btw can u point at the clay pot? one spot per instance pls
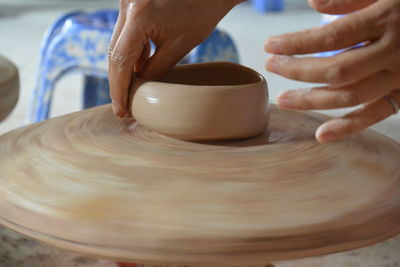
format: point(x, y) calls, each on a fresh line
point(206, 101)
point(9, 87)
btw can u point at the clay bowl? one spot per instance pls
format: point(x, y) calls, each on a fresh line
point(207, 101)
point(9, 87)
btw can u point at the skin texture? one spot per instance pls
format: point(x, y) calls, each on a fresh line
point(360, 76)
point(174, 26)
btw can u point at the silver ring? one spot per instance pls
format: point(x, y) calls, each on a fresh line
point(392, 102)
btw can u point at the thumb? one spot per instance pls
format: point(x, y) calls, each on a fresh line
point(339, 6)
point(163, 59)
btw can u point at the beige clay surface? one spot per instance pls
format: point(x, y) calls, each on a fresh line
point(109, 188)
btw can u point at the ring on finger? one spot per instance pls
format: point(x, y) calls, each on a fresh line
point(393, 103)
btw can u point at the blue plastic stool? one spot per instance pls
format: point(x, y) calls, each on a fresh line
point(268, 5)
point(79, 42)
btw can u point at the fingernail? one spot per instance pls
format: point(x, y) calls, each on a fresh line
point(272, 46)
point(285, 99)
point(283, 59)
point(116, 109)
point(287, 94)
point(273, 64)
point(324, 137)
point(286, 102)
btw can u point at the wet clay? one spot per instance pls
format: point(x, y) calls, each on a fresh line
point(94, 184)
point(208, 101)
point(9, 87)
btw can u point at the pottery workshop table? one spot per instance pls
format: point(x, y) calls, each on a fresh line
point(9, 87)
point(109, 188)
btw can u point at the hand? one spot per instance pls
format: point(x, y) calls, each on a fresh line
point(174, 26)
point(361, 75)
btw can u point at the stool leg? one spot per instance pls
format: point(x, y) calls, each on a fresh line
point(95, 92)
point(268, 5)
point(41, 101)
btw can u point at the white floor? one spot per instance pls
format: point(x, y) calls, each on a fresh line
point(23, 22)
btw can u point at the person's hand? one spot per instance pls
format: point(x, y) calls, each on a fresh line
point(174, 26)
point(367, 75)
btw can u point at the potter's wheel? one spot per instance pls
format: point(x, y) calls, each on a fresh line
point(93, 184)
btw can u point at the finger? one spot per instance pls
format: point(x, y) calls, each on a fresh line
point(124, 56)
point(339, 6)
point(343, 68)
point(341, 33)
point(357, 120)
point(143, 57)
point(112, 53)
point(119, 24)
point(329, 97)
point(164, 58)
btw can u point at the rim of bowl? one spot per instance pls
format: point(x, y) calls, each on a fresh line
point(260, 78)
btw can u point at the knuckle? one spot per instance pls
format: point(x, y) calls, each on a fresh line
point(390, 41)
point(114, 55)
point(293, 74)
point(294, 43)
point(119, 60)
point(349, 98)
point(307, 99)
point(109, 51)
point(291, 68)
point(336, 74)
point(394, 17)
point(334, 38)
point(140, 7)
point(380, 115)
point(124, 64)
point(396, 93)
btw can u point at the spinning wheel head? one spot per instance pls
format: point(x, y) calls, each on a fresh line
point(207, 101)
